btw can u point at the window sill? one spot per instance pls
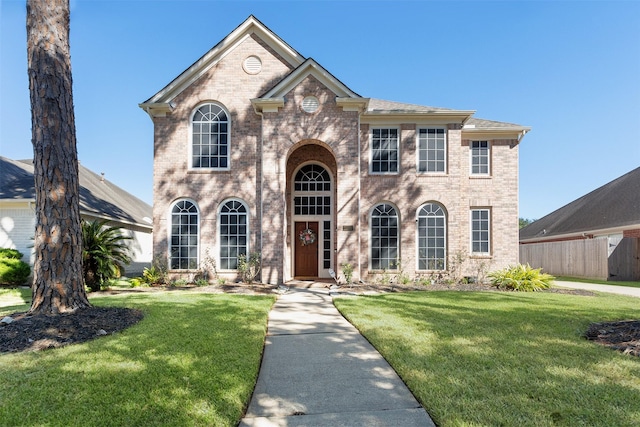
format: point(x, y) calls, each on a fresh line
point(480, 256)
point(480, 177)
point(384, 173)
point(208, 171)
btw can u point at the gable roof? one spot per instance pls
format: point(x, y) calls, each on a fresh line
point(98, 196)
point(160, 102)
point(613, 207)
point(372, 110)
point(274, 97)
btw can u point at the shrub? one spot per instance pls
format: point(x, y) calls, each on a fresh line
point(10, 253)
point(521, 278)
point(13, 271)
point(249, 267)
point(104, 252)
point(347, 270)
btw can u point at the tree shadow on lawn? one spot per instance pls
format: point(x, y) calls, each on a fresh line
point(192, 361)
point(485, 357)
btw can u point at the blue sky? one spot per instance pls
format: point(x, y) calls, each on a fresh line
point(568, 69)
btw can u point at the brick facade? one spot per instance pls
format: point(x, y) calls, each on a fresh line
point(268, 146)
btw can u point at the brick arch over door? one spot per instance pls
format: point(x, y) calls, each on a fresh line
point(309, 151)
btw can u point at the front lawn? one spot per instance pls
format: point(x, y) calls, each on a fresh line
point(192, 361)
point(505, 358)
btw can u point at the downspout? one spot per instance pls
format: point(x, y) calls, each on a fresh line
point(259, 113)
point(359, 203)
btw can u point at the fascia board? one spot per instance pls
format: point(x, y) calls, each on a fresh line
point(222, 49)
point(317, 71)
point(156, 109)
point(495, 133)
point(270, 105)
point(430, 117)
point(353, 104)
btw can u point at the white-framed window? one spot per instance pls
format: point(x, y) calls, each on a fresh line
point(233, 232)
point(385, 151)
point(184, 236)
point(480, 156)
point(480, 231)
point(432, 150)
point(384, 237)
point(210, 126)
point(432, 237)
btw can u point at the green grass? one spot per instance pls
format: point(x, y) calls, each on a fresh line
point(601, 282)
point(192, 361)
point(494, 358)
point(14, 299)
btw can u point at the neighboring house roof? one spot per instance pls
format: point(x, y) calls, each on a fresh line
point(98, 196)
point(611, 208)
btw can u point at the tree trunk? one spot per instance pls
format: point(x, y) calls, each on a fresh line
point(57, 273)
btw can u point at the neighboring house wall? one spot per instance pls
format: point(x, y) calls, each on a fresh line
point(17, 225)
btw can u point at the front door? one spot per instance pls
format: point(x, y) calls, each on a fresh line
point(306, 253)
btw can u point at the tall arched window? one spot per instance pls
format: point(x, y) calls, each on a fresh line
point(185, 220)
point(432, 237)
point(234, 233)
point(384, 237)
point(316, 182)
point(210, 138)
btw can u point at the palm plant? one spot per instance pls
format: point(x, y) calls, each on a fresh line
point(104, 252)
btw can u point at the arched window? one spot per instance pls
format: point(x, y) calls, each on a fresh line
point(210, 138)
point(185, 220)
point(234, 233)
point(432, 237)
point(384, 237)
point(312, 179)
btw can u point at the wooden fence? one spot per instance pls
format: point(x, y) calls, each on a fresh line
point(575, 258)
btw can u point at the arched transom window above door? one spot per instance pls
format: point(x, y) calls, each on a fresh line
point(312, 189)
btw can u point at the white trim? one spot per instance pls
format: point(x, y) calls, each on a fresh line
point(217, 245)
point(446, 151)
point(190, 137)
point(320, 219)
point(489, 233)
point(488, 158)
point(399, 159)
point(446, 235)
point(399, 236)
point(169, 233)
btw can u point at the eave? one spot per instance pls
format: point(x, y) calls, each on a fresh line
point(419, 117)
point(267, 105)
point(156, 109)
point(495, 132)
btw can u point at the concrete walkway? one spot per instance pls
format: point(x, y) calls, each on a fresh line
point(613, 289)
point(317, 370)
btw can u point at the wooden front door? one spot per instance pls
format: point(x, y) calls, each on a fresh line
point(306, 262)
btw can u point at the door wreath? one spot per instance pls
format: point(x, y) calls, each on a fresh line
point(307, 237)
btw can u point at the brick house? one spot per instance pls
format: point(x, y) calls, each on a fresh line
point(259, 149)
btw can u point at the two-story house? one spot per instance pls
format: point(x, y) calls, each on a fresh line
point(259, 149)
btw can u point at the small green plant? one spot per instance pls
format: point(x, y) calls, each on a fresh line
point(423, 281)
point(179, 283)
point(13, 271)
point(347, 272)
point(221, 281)
point(202, 282)
point(137, 282)
point(521, 278)
point(249, 267)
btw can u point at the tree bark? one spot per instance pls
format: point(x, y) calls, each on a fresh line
point(58, 285)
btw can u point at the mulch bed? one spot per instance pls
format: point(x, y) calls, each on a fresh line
point(39, 332)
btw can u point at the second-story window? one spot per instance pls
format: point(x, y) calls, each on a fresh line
point(432, 150)
point(210, 138)
point(384, 150)
point(480, 158)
